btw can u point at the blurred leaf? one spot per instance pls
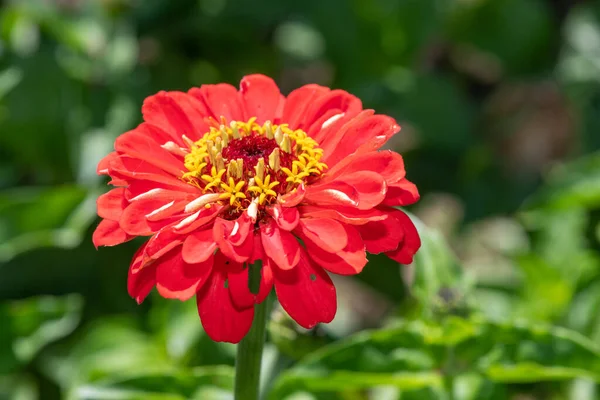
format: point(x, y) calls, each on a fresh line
point(100, 393)
point(178, 328)
point(583, 314)
point(67, 214)
point(546, 290)
point(517, 32)
point(17, 388)
point(109, 347)
point(9, 79)
point(576, 184)
point(292, 340)
point(434, 95)
point(580, 58)
point(164, 385)
point(29, 325)
point(440, 283)
point(346, 381)
point(417, 354)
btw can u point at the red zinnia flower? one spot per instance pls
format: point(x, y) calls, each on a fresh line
point(219, 178)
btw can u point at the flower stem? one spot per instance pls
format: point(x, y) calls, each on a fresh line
point(249, 350)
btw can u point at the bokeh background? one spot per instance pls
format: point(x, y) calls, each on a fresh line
point(499, 101)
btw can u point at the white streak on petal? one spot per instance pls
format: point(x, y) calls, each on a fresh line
point(332, 120)
point(339, 195)
point(173, 148)
point(153, 213)
point(253, 210)
point(236, 228)
point(185, 222)
point(149, 193)
point(201, 202)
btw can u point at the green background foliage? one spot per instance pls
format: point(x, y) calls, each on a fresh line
point(499, 101)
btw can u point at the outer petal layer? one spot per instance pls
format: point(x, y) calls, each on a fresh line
point(222, 320)
point(306, 293)
point(410, 244)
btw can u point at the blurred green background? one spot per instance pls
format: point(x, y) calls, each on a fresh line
point(499, 101)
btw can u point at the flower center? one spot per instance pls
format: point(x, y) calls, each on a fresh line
point(245, 163)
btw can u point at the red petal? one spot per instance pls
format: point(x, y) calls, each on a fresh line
point(330, 135)
point(388, 164)
point(362, 189)
point(162, 242)
point(233, 238)
point(199, 246)
point(139, 145)
point(332, 194)
point(161, 203)
point(330, 104)
point(258, 253)
point(151, 189)
point(279, 245)
point(261, 97)
point(102, 168)
point(326, 233)
point(111, 204)
point(403, 193)
point(141, 278)
point(349, 261)
point(222, 320)
point(360, 134)
point(239, 290)
point(176, 279)
point(412, 242)
point(197, 220)
point(266, 283)
point(293, 198)
point(109, 233)
point(221, 100)
point(298, 102)
point(287, 218)
point(169, 112)
point(346, 215)
point(370, 186)
point(306, 293)
point(134, 222)
point(131, 169)
point(381, 236)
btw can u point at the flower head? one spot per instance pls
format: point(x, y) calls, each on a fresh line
point(220, 178)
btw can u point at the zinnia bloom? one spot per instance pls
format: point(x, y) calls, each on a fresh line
point(219, 178)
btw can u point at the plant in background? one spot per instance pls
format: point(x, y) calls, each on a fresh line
point(243, 191)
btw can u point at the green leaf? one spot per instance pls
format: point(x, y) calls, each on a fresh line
point(576, 184)
point(14, 387)
point(547, 292)
point(321, 381)
point(109, 347)
point(439, 281)
point(101, 393)
point(177, 326)
point(418, 354)
point(38, 217)
point(159, 385)
point(29, 325)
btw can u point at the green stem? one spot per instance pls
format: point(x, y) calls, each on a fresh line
point(249, 350)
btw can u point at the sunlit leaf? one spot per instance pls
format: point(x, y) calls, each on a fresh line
point(420, 354)
point(576, 184)
point(161, 385)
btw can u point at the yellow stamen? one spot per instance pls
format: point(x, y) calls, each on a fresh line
point(251, 183)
